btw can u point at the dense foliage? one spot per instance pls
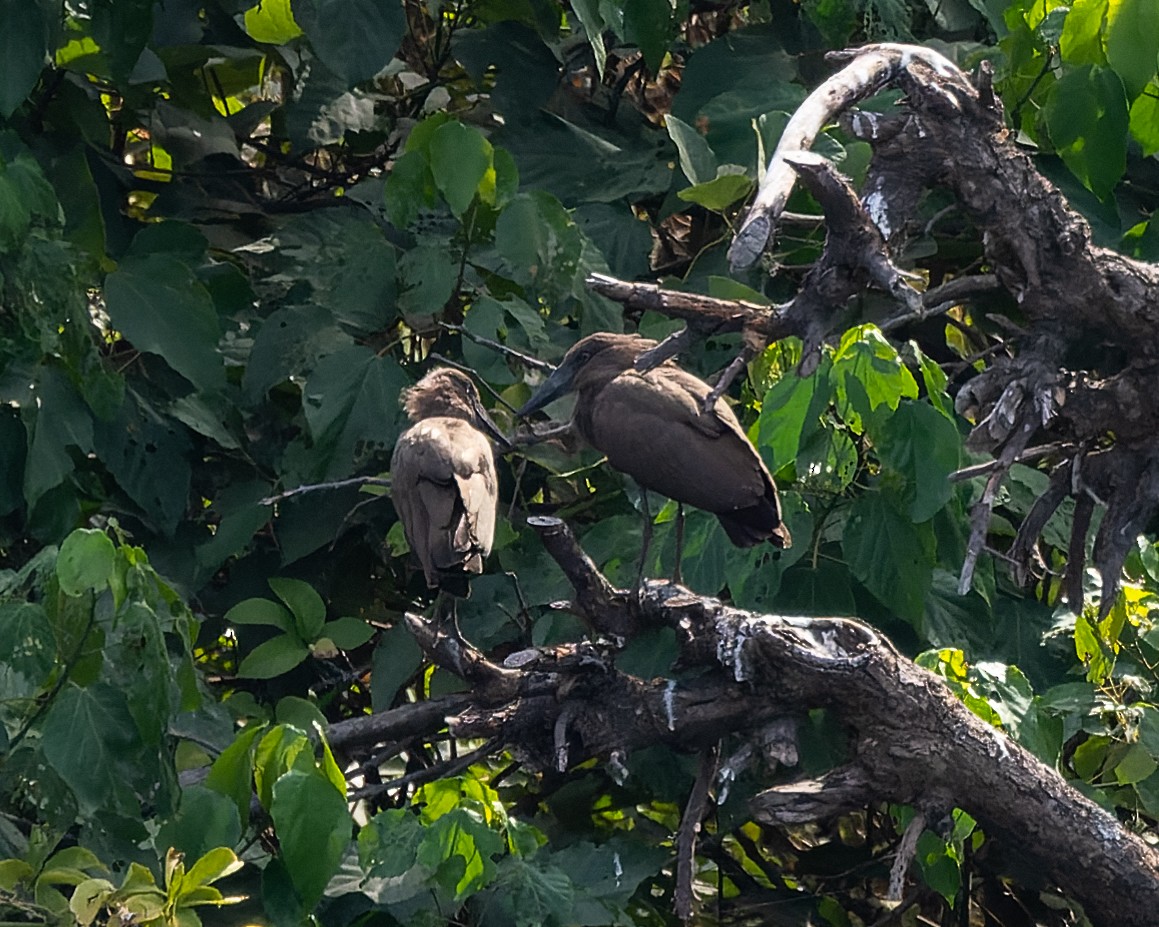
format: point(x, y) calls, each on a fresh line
point(231, 233)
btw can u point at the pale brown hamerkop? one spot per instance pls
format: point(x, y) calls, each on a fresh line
point(443, 480)
point(653, 427)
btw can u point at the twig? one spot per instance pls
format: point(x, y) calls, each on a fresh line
point(430, 774)
point(694, 811)
point(317, 487)
point(989, 466)
point(595, 595)
point(442, 359)
point(730, 373)
point(527, 359)
point(905, 855)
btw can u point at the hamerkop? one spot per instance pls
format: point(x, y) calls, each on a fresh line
point(653, 427)
point(442, 477)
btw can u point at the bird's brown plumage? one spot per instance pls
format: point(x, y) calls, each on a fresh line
point(443, 480)
point(653, 427)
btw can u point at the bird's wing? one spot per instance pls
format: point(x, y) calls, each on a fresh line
point(653, 427)
point(478, 485)
point(444, 489)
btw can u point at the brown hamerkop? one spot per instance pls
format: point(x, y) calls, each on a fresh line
point(442, 477)
point(653, 426)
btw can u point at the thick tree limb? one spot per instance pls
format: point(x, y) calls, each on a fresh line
point(913, 741)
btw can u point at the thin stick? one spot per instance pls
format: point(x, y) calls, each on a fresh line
point(694, 812)
point(430, 774)
point(318, 487)
point(527, 359)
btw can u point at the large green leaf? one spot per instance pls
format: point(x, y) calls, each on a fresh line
point(924, 446)
point(529, 894)
point(460, 159)
point(271, 658)
point(867, 373)
point(1081, 41)
point(1133, 42)
point(87, 735)
point(27, 648)
point(356, 38)
point(1087, 118)
point(891, 555)
point(314, 829)
point(272, 21)
point(462, 850)
point(790, 413)
point(85, 562)
point(351, 406)
point(1144, 119)
point(61, 421)
point(161, 307)
point(148, 455)
point(651, 25)
point(307, 606)
point(23, 50)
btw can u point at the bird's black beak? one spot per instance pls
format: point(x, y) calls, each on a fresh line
point(488, 426)
point(558, 384)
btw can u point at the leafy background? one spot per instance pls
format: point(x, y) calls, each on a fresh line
point(230, 234)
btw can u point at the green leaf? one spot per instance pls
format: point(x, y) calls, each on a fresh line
point(1133, 42)
point(351, 406)
point(272, 22)
point(205, 819)
point(396, 658)
point(214, 865)
point(410, 187)
point(1135, 766)
point(23, 51)
point(460, 849)
point(868, 373)
point(300, 713)
point(314, 829)
point(232, 773)
point(529, 894)
point(85, 735)
point(388, 844)
point(651, 25)
point(158, 304)
point(88, 898)
point(355, 38)
point(891, 555)
point(460, 159)
point(1090, 651)
point(1144, 120)
point(27, 649)
point(1081, 41)
point(539, 242)
point(696, 158)
point(428, 275)
point(85, 561)
point(273, 657)
point(62, 420)
point(307, 606)
point(924, 446)
point(347, 633)
point(148, 455)
point(720, 193)
point(1087, 118)
point(281, 749)
point(260, 611)
point(790, 413)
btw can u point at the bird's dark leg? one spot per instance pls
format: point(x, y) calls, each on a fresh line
point(638, 587)
point(677, 579)
point(446, 613)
